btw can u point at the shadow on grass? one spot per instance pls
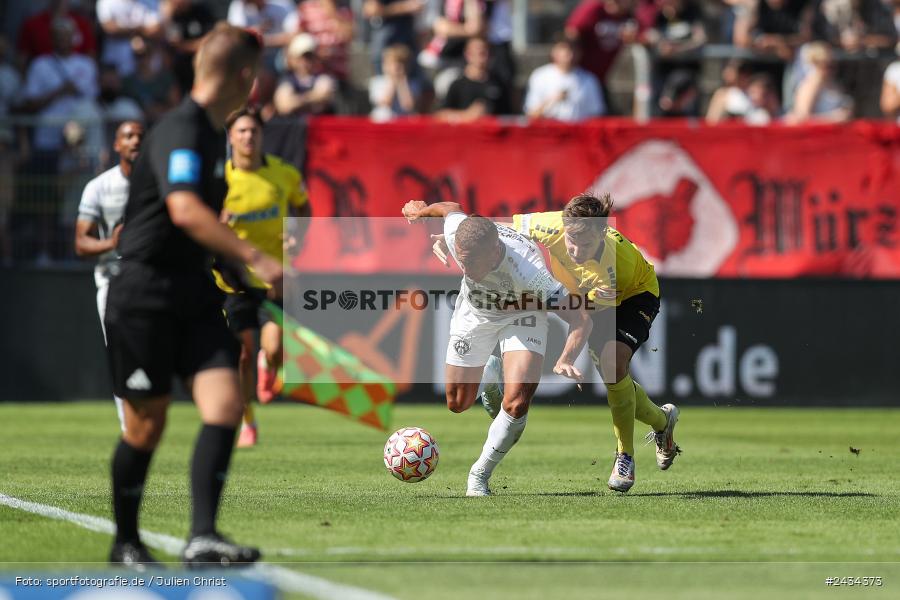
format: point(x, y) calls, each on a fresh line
point(711, 494)
point(741, 494)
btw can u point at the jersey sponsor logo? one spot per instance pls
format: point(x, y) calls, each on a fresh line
point(138, 381)
point(257, 215)
point(699, 230)
point(184, 166)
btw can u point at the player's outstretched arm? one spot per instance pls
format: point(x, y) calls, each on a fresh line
point(417, 209)
point(202, 224)
point(580, 326)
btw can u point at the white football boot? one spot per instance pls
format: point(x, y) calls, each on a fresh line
point(477, 485)
point(666, 448)
point(492, 386)
point(622, 477)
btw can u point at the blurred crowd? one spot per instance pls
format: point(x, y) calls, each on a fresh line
point(75, 68)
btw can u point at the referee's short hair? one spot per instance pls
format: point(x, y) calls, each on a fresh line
point(226, 50)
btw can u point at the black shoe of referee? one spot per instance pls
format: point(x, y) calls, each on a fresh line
point(214, 550)
point(132, 555)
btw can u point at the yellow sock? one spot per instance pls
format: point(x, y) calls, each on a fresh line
point(249, 417)
point(620, 396)
point(647, 412)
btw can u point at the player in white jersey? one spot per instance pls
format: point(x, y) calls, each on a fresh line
point(505, 293)
point(100, 217)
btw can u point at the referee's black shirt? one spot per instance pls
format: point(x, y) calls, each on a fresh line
point(161, 266)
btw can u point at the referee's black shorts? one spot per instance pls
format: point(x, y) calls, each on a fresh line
point(159, 326)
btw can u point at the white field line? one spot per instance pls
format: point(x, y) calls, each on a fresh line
point(394, 551)
point(285, 579)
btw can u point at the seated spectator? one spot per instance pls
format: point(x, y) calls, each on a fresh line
point(561, 90)
point(273, 19)
point(676, 33)
point(476, 93)
point(35, 37)
point(600, 28)
point(890, 92)
point(58, 86)
point(677, 28)
point(819, 97)
point(776, 27)
point(755, 103)
point(185, 22)
point(460, 20)
point(854, 25)
point(331, 24)
point(393, 22)
point(121, 21)
point(152, 84)
point(394, 94)
point(306, 89)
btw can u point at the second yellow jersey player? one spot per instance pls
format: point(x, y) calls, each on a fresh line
point(263, 190)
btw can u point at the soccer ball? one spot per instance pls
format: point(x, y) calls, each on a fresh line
point(411, 454)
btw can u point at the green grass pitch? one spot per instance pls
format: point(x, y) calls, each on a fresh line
point(762, 503)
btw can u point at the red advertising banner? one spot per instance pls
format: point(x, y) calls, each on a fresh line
point(727, 201)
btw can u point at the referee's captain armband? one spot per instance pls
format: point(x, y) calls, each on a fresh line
point(184, 166)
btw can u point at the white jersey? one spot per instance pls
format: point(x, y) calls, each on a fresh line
point(522, 271)
point(103, 202)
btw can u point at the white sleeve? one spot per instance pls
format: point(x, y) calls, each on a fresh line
point(533, 96)
point(104, 11)
point(892, 75)
point(451, 224)
point(537, 278)
point(236, 15)
point(89, 208)
point(35, 80)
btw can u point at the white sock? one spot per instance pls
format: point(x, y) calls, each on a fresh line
point(503, 433)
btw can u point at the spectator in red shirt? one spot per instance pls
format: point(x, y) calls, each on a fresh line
point(34, 34)
point(601, 28)
point(331, 24)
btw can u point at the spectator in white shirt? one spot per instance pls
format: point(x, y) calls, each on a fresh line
point(274, 19)
point(121, 20)
point(890, 91)
point(561, 90)
point(60, 86)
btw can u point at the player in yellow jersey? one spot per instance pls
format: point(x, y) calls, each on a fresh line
point(594, 260)
point(262, 191)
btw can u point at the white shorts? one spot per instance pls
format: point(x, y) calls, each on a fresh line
point(473, 336)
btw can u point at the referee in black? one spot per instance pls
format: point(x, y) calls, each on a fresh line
point(164, 313)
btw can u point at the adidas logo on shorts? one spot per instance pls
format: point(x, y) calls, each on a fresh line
point(138, 381)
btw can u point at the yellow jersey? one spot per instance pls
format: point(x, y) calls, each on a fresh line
point(621, 267)
point(256, 204)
